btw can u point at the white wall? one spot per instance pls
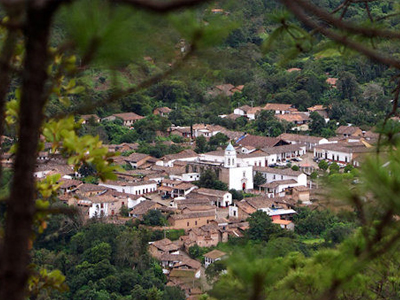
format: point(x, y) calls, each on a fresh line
point(148, 187)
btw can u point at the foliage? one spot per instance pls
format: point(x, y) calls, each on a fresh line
point(323, 165)
point(261, 227)
point(208, 179)
point(154, 217)
point(258, 179)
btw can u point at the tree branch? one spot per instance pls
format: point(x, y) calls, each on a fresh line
point(161, 6)
point(340, 24)
point(374, 55)
point(89, 107)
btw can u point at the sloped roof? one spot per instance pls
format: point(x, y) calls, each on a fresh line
point(128, 116)
point(277, 106)
point(258, 141)
point(348, 130)
point(214, 254)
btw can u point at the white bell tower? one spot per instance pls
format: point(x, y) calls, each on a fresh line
point(230, 157)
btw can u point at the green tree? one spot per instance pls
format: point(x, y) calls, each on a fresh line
point(201, 144)
point(154, 217)
point(323, 165)
point(334, 168)
point(261, 227)
point(258, 179)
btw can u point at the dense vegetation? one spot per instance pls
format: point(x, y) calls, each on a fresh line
point(102, 261)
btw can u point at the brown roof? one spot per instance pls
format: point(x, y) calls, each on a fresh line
point(67, 183)
point(293, 69)
point(332, 81)
point(233, 116)
point(290, 137)
point(283, 148)
point(184, 186)
point(296, 117)
point(89, 187)
point(245, 108)
point(211, 192)
point(316, 108)
point(135, 157)
point(282, 222)
point(286, 171)
point(191, 263)
point(183, 154)
point(277, 106)
point(348, 130)
point(278, 182)
point(88, 117)
point(164, 110)
point(165, 245)
point(214, 254)
point(143, 207)
point(243, 205)
point(102, 199)
point(258, 141)
point(346, 148)
point(128, 116)
point(193, 215)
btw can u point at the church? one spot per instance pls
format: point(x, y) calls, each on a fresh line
point(230, 169)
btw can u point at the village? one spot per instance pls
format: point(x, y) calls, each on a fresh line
point(275, 175)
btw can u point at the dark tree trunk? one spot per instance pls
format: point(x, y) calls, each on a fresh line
point(15, 257)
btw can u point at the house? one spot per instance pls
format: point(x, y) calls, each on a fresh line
point(286, 152)
point(191, 220)
point(343, 153)
point(275, 174)
point(304, 140)
point(185, 132)
point(284, 224)
point(143, 207)
point(251, 113)
point(279, 213)
point(128, 118)
point(260, 141)
point(300, 120)
point(182, 189)
point(134, 188)
point(348, 131)
point(89, 189)
point(321, 110)
point(242, 110)
point(161, 247)
point(206, 236)
point(241, 210)
point(293, 70)
point(69, 185)
point(225, 89)
point(219, 198)
point(185, 155)
point(278, 108)
point(189, 264)
point(104, 206)
point(92, 117)
point(332, 81)
point(213, 256)
point(136, 160)
point(162, 111)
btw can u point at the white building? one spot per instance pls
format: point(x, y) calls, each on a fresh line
point(340, 153)
point(134, 188)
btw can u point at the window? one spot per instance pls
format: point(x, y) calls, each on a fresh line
point(195, 222)
point(102, 205)
point(187, 224)
point(123, 203)
point(229, 161)
point(244, 173)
